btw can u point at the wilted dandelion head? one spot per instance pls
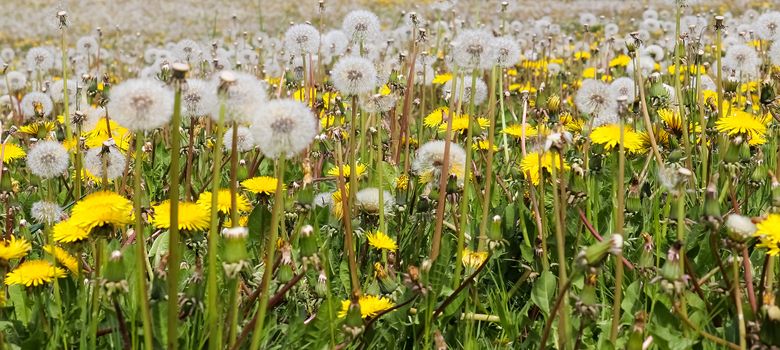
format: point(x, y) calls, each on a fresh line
point(464, 90)
point(46, 212)
point(623, 86)
point(301, 39)
point(284, 127)
point(354, 75)
point(506, 51)
point(367, 201)
point(47, 159)
point(198, 98)
point(743, 60)
point(141, 104)
point(594, 97)
point(361, 25)
point(472, 49)
point(114, 161)
point(767, 26)
point(36, 104)
point(243, 97)
point(39, 59)
point(246, 141)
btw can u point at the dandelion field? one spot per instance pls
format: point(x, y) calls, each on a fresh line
point(439, 174)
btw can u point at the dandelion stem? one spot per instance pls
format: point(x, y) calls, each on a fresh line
point(270, 250)
point(464, 203)
point(486, 202)
point(620, 210)
point(233, 177)
point(140, 244)
point(738, 304)
point(173, 233)
point(212, 301)
point(443, 178)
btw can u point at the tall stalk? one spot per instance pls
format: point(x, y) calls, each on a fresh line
point(212, 300)
point(180, 70)
point(619, 223)
point(140, 244)
point(270, 251)
point(464, 203)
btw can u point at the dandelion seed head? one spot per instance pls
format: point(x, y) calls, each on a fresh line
point(464, 89)
point(472, 49)
point(87, 45)
point(198, 98)
point(246, 141)
point(47, 159)
point(36, 104)
point(741, 225)
point(46, 212)
point(188, 51)
point(284, 127)
point(57, 92)
point(367, 201)
point(16, 80)
point(507, 52)
point(243, 97)
point(354, 75)
point(301, 39)
point(39, 59)
point(334, 44)
point(378, 103)
point(141, 104)
point(767, 26)
point(430, 159)
point(623, 86)
point(742, 59)
point(114, 159)
point(361, 25)
point(594, 97)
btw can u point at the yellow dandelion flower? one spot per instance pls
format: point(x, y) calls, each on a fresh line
point(243, 221)
point(102, 208)
point(64, 258)
point(14, 248)
point(472, 259)
point(337, 206)
point(589, 73)
point(38, 128)
point(461, 123)
point(533, 162)
point(12, 152)
point(380, 240)
point(66, 232)
point(385, 90)
point(223, 201)
point(329, 120)
point(347, 170)
point(34, 273)
point(582, 55)
point(370, 306)
point(261, 185)
point(523, 87)
point(435, 118)
point(402, 182)
point(609, 137)
point(620, 61)
point(516, 130)
point(570, 123)
point(442, 78)
point(192, 216)
point(483, 145)
point(768, 230)
point(743, 124)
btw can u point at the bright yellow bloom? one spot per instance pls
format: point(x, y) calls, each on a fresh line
point(620, 61)
point(34, 273)
point(102, 208)
point(516, 130)
point(533, 163)
point(523, 87)
point(64, 258)
point(223, 201)
point(581, 55)
point(370, 306)
point(385, 90)
point(573, 125)
point(337, 206)
point(192, 216)
point(741, 123)
point(66, 232)
point(14, 248)
point(483, 145)
point(442, 78)
point(380, 240)
point(402, 182)
point(261, 185)
point(473, 259)
point(436, 117)
point(691, 69)
point(609, 137)
point(12, 152)
point(35, 128)
point(461, 123)
point(243, 221)
point(347, 170)
point(769, 232)
point(589, 73)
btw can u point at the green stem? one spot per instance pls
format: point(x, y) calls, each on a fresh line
point(619, 230)
point(464, 203)
point(140, 240)
point(270, 246)
point(173, 232)
point(212, 300)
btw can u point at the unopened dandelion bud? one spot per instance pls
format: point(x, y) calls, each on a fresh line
point(554, 103)
point(712, 211)
point(308, 242)
point(495, 234)
point(633, 200)
point(647, 256)
point(386, 283)
point(636, 338)
point(732, 154)
point(739, 228)
point(354, 322)
point(587, 300)
point(321, 285)
point(285, 273)
point(595, 254)
point(452, 184)
point(672, 270)
point(115, 268)
point(234, 239)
